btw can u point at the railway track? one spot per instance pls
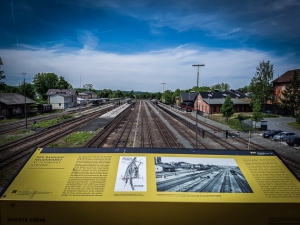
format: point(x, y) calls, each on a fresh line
point(10, 127)
point(144, 125)
point(122, 132)
point(18, 150)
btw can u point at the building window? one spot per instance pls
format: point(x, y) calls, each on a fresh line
point(59, 104)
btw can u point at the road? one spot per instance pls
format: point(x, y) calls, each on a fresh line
point(280, 123)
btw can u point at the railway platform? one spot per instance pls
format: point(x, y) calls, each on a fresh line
point(105, 119)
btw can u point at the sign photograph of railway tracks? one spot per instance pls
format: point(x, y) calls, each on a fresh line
point(183, 174)
point(131, 175)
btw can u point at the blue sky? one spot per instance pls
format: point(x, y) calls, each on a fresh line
point(137, 45)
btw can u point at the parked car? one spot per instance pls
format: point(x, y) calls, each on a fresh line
point(283, 136)
point(293, 141)
point(270, 134)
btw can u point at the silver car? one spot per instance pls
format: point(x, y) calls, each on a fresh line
point(283, 136)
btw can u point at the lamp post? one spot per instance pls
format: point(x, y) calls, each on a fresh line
point(209, 96)
point(25, 111)
point(198, 65)
point(163, 91)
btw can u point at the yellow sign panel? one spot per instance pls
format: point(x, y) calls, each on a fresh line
point(75, 186)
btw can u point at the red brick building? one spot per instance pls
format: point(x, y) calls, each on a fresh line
point(281, 82)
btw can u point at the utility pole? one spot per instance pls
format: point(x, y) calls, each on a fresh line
point(25, 111)
point(163, 87)
point(198, 65)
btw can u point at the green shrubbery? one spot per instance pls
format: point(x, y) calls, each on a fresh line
point(76, 139)
point(48, 123)
point(237, 124)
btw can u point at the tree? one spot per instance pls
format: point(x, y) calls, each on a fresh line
point(167, 97)
point(290, 96)
point(45, 81)
point(158, 95)
point(88, 87)
point(221, 87)
point(29, 90)
point(63, 84)
point(2, 77)
point(175, 94)
point(227, 109)
point(257, 115)
point(116, 94)
point(105, 93)
point(131, 94)
point(260, 87)
point(244, 89)
point(202, 88)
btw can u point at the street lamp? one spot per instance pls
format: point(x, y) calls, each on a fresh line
point(198, 65)
point(25, 102)
point(209, 96)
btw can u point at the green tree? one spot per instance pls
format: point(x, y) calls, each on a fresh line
point(297, 115)
point(175, 94)
point(290, 96)
point(29, 90)
point(167, 97)
point(244, 89)
point(260, 87)
point(257, 115)
point(45, 81)
point(158, 95)
point(221, 87)
point(63, 84)
point(11, 89)
point(116, 94)
point(194, 88)
point(105, 93)
point(88, 87)
point(131, 94)
point(227, 108)
point(2, 77)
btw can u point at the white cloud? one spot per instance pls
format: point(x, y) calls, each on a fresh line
point(143, 71)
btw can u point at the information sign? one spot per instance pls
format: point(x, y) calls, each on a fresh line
point(152, 186)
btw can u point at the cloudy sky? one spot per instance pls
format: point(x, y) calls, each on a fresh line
point(137, 45)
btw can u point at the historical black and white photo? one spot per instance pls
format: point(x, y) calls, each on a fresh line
point(185, 174)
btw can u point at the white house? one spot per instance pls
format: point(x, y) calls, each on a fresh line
point(62, 98)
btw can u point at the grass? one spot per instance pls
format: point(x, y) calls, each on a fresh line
point(9, 120)
point(235, 121)
point(73, 140)
point(294, 125)
point(48, 123)
point(7, 138)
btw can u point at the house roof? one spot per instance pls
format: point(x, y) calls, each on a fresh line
point(222, 94)
point(218, 97)
point(85, 94)
point(62, 92)
point(286, 77)
point(188, 97)
point(90, 92)
point(14, 99)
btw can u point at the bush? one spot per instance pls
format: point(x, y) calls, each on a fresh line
point(236, 124)
point(270, 115)
point(297, 115)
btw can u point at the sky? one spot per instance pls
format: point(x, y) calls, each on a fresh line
point(138, 45)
